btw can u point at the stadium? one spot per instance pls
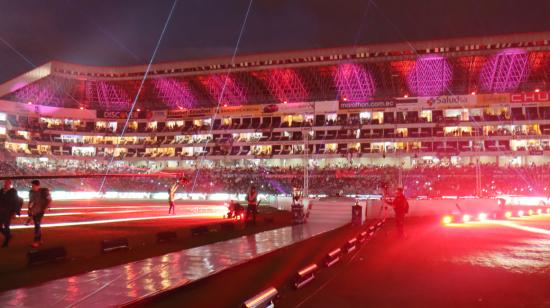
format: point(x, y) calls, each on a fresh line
point(395, 110)
point(460, 126)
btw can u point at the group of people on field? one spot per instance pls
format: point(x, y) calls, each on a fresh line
point(40, 199)
point(234, 207)
point(11, 205)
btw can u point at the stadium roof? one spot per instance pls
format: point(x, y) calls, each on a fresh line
point(503, 63)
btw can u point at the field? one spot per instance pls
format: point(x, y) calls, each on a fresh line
point(490, 264)
point(80, 226)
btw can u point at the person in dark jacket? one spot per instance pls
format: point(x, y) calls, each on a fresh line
point(9, 206)
point(39, 201)
point(401, 208)
point(252, 201)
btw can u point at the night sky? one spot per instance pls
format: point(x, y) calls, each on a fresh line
point(124, 32)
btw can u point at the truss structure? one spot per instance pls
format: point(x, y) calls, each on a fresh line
point(108, 96)
point(483, 71)
point(430, 76)
point(174, 93)
point(354, 82)
point(48, 92)
point(284, 84)
point(505, 71)
point(224, 89)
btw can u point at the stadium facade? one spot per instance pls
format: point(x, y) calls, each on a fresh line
point(456, 101)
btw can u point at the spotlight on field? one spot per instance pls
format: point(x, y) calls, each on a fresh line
point(447, 219)
point(263, 299)
point(466, 218)
point(482, 216)
point(305, 276)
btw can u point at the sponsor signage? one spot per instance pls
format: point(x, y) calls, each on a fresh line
point(200, 112)
point(406, 101)
point(449, 101)
point(241, 110)
point(270, 108)
point(176, 114)
point(490, 99)
point(406, 104)
point(366, 105)
point(326, 107)
point(295, 108)
point(158, 115)
point(121, 115)
point(530, 97)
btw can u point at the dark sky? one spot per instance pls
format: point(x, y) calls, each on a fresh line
point(123, 32)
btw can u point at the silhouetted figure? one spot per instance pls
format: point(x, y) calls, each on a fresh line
point(252, 200)
point(171, 193)
point(401, 208)
point(39, 201)
point(10, 204)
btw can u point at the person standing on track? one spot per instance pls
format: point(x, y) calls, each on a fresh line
point(10, 204)
point(39, 201)
point(171, 193)
point(252, 200)
point(401, 208)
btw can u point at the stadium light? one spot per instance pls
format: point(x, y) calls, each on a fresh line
point(482, 216)
point(530, 212)
point(305, 276)
point(537, 90)
point(447, 219)
point(333, 257)
point(473, 93)
point(362, 237)
point(466, 218)
point(263, 299)
point(520, 213)
point(508, 214)
point(351, 245)
point(539, 211)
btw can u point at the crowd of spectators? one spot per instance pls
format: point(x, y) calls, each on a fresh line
point(432, 181)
